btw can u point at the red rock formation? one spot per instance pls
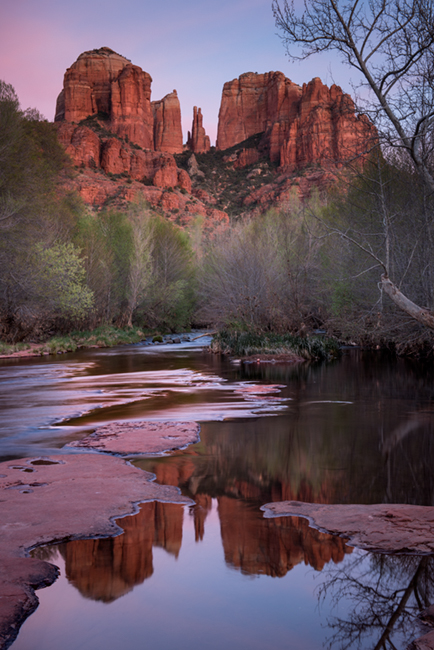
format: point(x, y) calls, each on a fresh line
point(101, 81)
point(198, 141)
point(301, 126)
point(81, 144)
point(96, 189)
point(105, 83)
point(131, 114)
point(184, 180)
point(114, 156)
point(127, 136)
point(243, 157)
point(387, 528)
point(140, 436)
point(252, 103)
point(326, 129)
point(167, 124)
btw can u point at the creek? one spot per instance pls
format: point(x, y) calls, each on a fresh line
point(217, 574)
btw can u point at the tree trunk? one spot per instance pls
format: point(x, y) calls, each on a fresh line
point(418, 313)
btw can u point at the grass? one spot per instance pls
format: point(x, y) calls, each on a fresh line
point(246, 344)
point(105, 336)
point(5, 348)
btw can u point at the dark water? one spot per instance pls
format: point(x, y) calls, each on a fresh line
point(217, 575)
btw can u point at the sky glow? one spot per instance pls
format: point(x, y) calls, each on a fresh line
point(189, 45)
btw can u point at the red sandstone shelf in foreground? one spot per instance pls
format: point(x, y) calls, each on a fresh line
point(386, 528)
point(58, 498)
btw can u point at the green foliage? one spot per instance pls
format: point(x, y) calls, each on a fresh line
point(6, 348)
point(342, 299)
point(170, 301)
point(250, 343)
point(106, 242)
point(32, 216)
point(105, 336)
point(60, 281)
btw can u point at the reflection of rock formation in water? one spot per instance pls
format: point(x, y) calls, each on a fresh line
point(251, 543)
point(257, 546)
point(105, 569)
point(204, 505)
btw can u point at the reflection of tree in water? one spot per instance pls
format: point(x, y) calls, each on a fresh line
point(386, 595)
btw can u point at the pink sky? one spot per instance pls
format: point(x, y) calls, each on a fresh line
point(189, 45)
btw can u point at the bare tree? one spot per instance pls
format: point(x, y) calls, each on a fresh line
point(263, 274)
point(390, 46)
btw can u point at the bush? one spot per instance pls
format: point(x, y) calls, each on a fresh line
point(250, 343)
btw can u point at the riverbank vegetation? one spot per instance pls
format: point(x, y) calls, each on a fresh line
point(105, 336)
point(307, 265)
point(272, 345)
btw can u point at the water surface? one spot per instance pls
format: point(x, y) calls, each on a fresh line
point(359, 430)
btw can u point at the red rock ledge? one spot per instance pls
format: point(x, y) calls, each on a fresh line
point(384, 528)
point(140, 437)
point(59, 498)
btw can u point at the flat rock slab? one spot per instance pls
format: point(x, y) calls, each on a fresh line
point(385, 528)
point(425, 642)
point(59, 498)
point(145, 437)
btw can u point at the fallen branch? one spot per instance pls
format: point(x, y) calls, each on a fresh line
point(418, 313)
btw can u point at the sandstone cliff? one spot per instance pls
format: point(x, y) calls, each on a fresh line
point(106, 120)
point(103, 82)
point(198, 141)
point(107, 123)
point(301, 126)
point(252, 103)
point(269, 129)
point(167, 124)
point(108, 85)
point(93, 147)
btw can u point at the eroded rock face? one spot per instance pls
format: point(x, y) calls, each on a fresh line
point(251, 103)
point(96, 189)
point(198, 141)
point(102, 81)
point(127, 134)
point(106, 84)
point(167, 124)
point(115, 156)
point(301, 126)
